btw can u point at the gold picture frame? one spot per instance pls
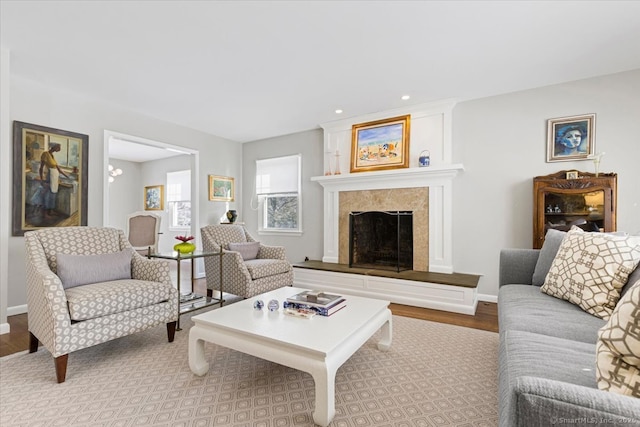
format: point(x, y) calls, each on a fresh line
point(221, 188)
point(48, 197)
point(572, 175)
point(154, 198)
point(381, 144)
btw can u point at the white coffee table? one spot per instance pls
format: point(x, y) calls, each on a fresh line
point(319, 345)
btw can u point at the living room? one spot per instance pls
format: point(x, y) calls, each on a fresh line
point(499, 138)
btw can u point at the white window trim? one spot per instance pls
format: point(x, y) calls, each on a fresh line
point(261, 210)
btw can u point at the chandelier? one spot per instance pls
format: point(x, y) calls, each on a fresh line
point(113, 173)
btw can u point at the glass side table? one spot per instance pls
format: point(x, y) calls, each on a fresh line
point(191, 301)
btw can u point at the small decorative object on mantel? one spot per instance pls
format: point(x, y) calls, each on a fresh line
point(337, 171)
point(232, 215)
point(185, 247)
point(424, 159)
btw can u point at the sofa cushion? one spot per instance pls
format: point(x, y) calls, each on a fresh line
point(259, 268)
point(525, 308)
point(102, 299)
point(590, 269)
point(552, 241)
point(525, 356)
point(618, 348)
point(248, 250)
point(78, 270)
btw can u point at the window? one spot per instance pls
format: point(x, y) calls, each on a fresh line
point(179, 199)
point(278, 188)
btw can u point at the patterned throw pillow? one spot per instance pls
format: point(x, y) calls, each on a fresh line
point(590, 269)
point(248, 250)
point(618, 348)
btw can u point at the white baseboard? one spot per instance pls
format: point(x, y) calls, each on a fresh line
point(487, 298)
point(17, 309)
point(4, 328)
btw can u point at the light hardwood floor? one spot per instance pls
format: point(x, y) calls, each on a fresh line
point(486, 318)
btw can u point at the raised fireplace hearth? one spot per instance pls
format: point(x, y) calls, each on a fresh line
point(381, 240)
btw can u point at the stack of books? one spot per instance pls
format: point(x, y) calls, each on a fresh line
point(321, 303)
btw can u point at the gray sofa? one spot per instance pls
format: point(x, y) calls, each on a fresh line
point(547, 357)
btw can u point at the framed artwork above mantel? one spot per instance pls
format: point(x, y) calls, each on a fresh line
point(381, 144)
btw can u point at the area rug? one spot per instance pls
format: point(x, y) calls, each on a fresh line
point(433, 375)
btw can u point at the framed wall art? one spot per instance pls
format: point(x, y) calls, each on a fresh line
point(571, 138)
point(50, 169)
point(221, 188)
point(154, 198)
point(382, 144)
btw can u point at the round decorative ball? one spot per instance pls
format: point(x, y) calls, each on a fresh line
point(273, 305)
point(258, 304)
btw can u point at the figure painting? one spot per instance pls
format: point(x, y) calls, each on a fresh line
point(49, 178)
point(570, 138)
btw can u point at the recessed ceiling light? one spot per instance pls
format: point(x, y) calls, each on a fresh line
point(405, 97)
point(338, 111)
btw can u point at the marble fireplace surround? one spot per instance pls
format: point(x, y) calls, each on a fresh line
point(427, 190)
point(415, 200)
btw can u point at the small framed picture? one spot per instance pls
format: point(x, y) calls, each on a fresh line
point(571, 138)
point(572, 174)
point(221, 188)
point(154, 198)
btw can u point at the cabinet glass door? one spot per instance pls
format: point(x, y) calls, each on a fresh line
point(585, 210)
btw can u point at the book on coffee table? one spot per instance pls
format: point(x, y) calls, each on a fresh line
point(315, 299)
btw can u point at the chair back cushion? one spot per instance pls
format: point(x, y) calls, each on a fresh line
point(77, 270)
point(248, 250)
point(79, 241)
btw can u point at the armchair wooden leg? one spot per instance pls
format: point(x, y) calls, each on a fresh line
point(61, 367)
point(171, 330)
point(33, 343)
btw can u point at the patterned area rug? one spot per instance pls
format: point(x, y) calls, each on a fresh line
point(433, 375)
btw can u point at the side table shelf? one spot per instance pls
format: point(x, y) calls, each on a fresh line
point(192, 301)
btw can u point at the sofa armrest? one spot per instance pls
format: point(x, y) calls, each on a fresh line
point(517, 266)
point(272, 252)
point(153, 270)
point(540, 401)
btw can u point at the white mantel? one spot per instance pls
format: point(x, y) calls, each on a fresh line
point(438, 179)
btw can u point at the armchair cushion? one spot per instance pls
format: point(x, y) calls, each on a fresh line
point(248, 250)
point(259, 268)
point(111, 297)
point(77, 270)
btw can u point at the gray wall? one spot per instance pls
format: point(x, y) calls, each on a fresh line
point(33, 102)
point(502, 142)
point(309, 144)
point(123, 201)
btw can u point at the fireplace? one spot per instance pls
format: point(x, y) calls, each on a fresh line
point(381, 240)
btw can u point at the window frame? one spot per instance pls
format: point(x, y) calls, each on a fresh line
point(263, 229)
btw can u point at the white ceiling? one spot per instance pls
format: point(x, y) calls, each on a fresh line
point(249, 70)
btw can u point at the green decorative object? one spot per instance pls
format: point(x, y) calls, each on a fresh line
point(184, 248)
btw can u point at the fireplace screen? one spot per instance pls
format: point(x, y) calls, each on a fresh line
point(381, 240)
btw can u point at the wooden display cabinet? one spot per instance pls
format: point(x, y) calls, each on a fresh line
point(588, 201)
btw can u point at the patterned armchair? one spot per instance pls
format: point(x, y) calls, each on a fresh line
point(73, 316)
point(248, 267)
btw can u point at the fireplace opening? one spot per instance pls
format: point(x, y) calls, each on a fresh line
point(381, 240)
